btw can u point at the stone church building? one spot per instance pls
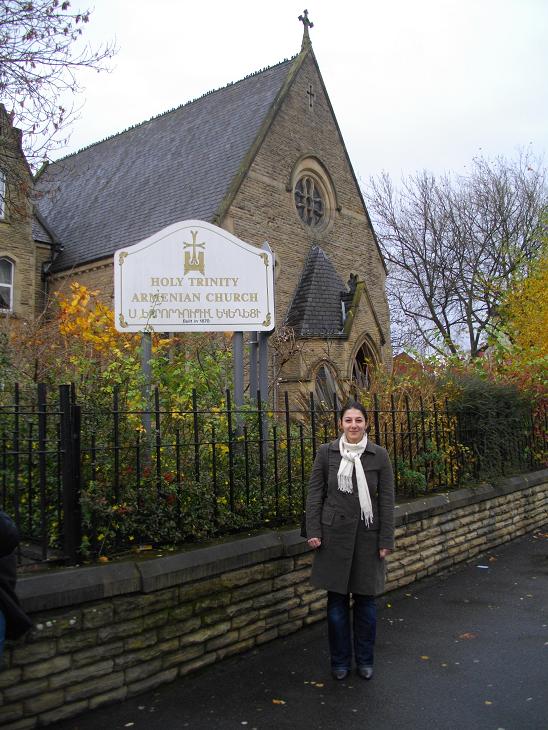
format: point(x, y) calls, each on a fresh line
point(262, 158)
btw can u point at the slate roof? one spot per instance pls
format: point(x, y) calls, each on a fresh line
point(316, 307)
point(40, 232)
point(176, 166)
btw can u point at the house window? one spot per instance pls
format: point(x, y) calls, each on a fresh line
point(6, 284)
point(2, 195)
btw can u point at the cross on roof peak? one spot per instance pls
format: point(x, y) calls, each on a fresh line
point(306, 25)
point(305, 21)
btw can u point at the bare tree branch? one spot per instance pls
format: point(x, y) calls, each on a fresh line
point(41, 53)
point(453, 246)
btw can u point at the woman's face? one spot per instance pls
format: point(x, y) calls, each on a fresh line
point(353, 424)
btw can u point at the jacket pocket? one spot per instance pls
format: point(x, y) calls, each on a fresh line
point(328, 516)
point(372, 476)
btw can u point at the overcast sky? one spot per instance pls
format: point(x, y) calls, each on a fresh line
point(414, 85)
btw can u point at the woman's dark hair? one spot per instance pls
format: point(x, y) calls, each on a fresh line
point(353, 404)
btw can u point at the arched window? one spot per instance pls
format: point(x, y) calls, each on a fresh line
point(325, 386)
point(313, 194)
point(364, 361)
point(6, 284)
point(309, 201)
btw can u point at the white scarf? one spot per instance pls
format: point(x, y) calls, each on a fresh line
point(351, 454)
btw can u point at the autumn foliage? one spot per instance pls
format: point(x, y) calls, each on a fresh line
point(84, 317)
point(189, 475)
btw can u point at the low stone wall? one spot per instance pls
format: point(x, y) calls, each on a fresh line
point(104, 633)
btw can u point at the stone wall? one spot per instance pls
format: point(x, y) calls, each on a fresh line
point(104, 633)
point(43, 255)
point(16, 242)
point(96, 276)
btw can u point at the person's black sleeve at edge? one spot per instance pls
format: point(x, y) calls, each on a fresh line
point(17, 621)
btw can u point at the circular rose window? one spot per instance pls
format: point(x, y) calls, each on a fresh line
point(309, 201)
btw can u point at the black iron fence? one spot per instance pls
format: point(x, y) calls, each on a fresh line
point(87, 481)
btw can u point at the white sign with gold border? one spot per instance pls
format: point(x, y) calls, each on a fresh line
point(193, 277)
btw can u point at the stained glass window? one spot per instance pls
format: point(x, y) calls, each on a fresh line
point(361, 368)
point(309, 201)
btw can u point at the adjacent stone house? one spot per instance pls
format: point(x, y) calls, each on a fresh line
point(25, 244)
point(264, 159)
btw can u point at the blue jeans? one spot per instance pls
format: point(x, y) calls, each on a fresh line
point(338, 627)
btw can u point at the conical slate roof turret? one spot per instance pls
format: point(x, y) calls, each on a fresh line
point(316, 309)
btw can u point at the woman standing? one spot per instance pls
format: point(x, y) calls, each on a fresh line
point(350, 521)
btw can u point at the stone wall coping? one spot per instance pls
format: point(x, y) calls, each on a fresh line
point(208, 561)
point(74, 586)
point(441, 502)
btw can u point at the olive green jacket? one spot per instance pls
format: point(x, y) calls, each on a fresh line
point(348, 560)
point(327, 507)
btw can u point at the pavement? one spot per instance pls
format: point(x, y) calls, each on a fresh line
point(467, 650)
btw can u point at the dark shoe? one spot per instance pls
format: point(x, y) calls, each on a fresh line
point(365, 672)
point(339, 674)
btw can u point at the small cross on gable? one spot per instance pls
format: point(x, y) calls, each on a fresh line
point(311, 96)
